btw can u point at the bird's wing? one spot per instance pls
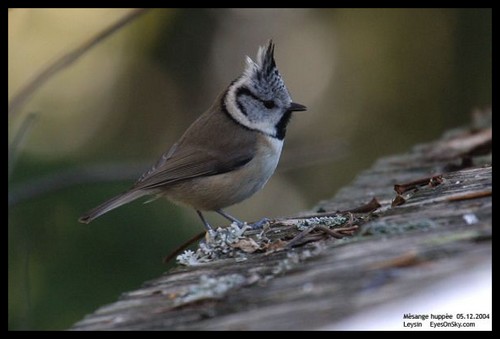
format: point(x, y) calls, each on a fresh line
point(187, 162)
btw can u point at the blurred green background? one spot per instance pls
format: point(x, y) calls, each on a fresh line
point(375, 81)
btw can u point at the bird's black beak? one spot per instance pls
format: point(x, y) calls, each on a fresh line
point(294, 107)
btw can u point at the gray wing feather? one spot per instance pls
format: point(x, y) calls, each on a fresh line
point(190, 162)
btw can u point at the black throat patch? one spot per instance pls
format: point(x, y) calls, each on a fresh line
point(281, 125)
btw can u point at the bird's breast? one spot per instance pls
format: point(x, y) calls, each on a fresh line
point(226, 189)
point(267, 156)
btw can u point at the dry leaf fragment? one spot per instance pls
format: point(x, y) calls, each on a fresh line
point(277, 245)
point(247, 245)
point(398, 200)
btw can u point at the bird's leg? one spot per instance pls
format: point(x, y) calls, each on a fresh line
point(205, 222)
point(255, 225)
point(230, 218)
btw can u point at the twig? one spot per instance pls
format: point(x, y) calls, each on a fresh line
point(371, 206)
point(27, 91)
point(398, 201)
point(410, 258)
point(300, 236)
point(432, 181)
point(337, 232)
point(182, 247)
point(472, 195)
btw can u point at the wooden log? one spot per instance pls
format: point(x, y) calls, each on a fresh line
point(438, 227)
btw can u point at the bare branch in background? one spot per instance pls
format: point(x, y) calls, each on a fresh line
point(19, 138)
point(59, 180)
point(66, 60)
point(30, 189)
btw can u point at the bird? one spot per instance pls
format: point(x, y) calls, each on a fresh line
point(228, 153)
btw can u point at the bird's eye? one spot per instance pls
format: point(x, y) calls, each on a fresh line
point(269, 104)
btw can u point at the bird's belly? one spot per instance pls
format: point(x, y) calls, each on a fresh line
point(219, 191)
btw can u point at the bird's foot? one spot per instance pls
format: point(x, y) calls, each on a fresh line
point(255, 225)
point(259, 224)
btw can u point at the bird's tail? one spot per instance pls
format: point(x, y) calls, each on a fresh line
point(111, 204)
